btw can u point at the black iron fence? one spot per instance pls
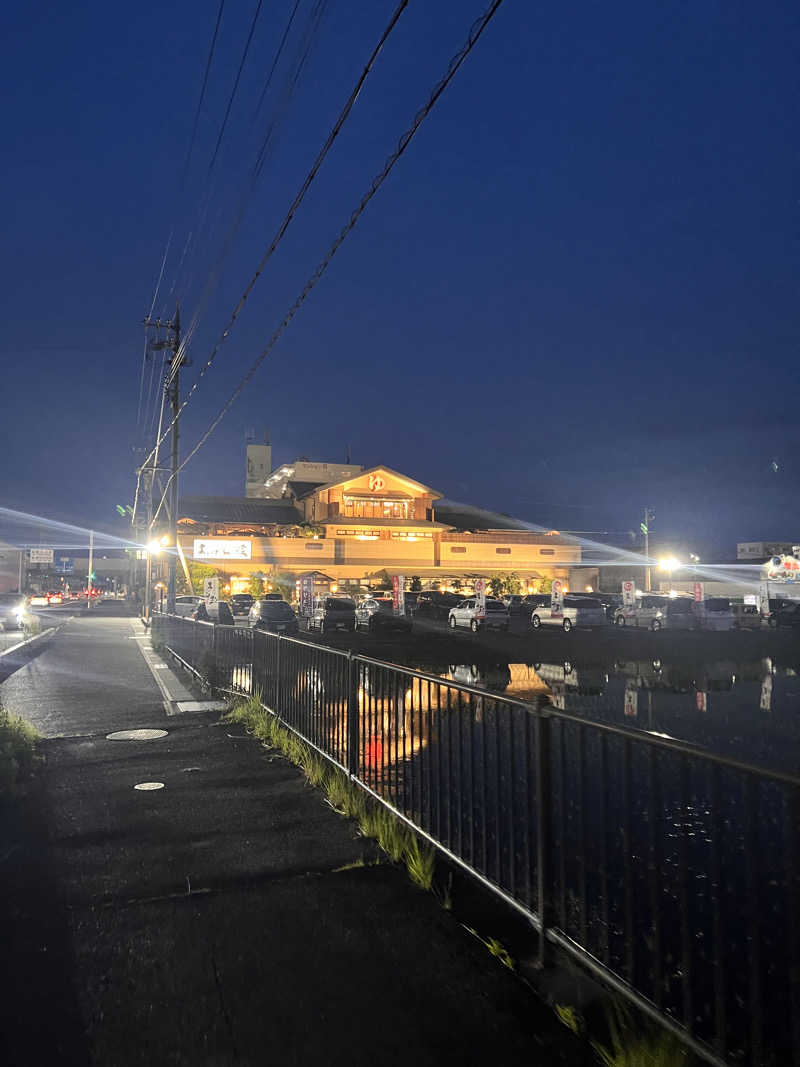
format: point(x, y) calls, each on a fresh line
point(672, 873)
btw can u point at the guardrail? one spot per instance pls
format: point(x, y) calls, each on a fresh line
point(671, 873)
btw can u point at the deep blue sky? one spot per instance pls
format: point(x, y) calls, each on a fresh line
point(576, 294)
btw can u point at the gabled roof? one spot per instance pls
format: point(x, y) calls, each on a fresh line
point(386, 470)
point(236, 509)
point(303, 489)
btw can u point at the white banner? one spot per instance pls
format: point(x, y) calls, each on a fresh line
point(557, 599)
point(628, 597)
point(211, 592)
point(41, 555)
point(307, 595)
point(398, 594)
point(480, 593)
point(221, 548)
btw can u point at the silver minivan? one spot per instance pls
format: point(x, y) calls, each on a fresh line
point(654, 611)
point(577, 611)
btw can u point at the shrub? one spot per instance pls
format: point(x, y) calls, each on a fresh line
point(18, 757)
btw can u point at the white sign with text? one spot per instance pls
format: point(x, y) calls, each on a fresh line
point(221, 548)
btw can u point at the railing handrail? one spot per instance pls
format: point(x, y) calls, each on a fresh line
point(671, 744)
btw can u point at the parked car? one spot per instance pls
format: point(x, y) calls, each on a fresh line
point(12, 611)
point(746, 617)
point(272, 596)
point(241, 603)
point(221, 613)
point(333, 613)
point(655, 611)
point(379, 615)
point(784, 613)
point(536, 600)
point(577, 611)
point(187, 605)
point(611, 602)
point(38, 600)
point(410, 598)
point(469, 613)
point(435, 605)
point(515, 604)
point(714, 613)
point(275, 616)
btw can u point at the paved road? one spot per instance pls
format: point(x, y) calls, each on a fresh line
point(225, 918)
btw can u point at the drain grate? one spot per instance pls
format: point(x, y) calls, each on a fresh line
point(136, 735)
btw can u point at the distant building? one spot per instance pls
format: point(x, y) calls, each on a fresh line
point(259, 462)
point(760, 551)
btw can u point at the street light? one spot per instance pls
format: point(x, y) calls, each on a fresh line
point(669, 564)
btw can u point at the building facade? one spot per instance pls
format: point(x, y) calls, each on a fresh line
point(360, 528)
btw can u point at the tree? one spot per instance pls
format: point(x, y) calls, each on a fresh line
point(496, 585)
point(199, 572)
point(283, 582)
point(416, 583)
point(512, 583)
point(256, 586)
point(457, 585)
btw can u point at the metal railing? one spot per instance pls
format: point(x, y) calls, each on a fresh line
point(672, 873)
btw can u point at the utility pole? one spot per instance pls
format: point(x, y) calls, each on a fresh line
point(649, 515)
point(91, 566)
point(172, 386)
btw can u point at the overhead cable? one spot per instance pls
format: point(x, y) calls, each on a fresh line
point(475, 33)
point(333, 134)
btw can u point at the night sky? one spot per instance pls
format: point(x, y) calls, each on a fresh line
point(575, 296)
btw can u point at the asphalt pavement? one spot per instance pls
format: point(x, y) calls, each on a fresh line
point(225, 914)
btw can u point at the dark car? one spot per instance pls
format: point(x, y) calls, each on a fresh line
point(379, 616)
point(411, 602)
point(612, 602)
point(786, 613)
point(333, 613)
point(435, 605)
point(221, 613)
point(12, 608)
point(241, 603)
point(275, 616)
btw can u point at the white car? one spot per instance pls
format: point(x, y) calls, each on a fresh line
point(577, 611)
point(468, 613)
point(186, 605)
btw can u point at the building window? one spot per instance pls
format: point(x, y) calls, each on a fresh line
point(457, 548)
point(547, 551)
point(312, 545)
point(503, 551)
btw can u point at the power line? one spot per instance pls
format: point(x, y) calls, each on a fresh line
point(332, 135)
point(202, 95)
point(276, 59)
point(475, 33)
point(235, 85)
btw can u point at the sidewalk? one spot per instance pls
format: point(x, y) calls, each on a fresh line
point(219, 920)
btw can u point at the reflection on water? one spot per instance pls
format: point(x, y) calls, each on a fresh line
point(749, 709)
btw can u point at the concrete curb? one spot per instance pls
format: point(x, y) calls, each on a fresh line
point(177, 699)
point(29, 641)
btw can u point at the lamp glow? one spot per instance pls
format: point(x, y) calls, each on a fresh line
point(669, 564)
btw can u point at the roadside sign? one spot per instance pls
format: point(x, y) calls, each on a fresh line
point(628, 597)
point(631, 703)
point(701, 700)
point(698, 592)
point(557, 599)
point(65, 565)
point(480, 593)
point(398, 594)
point(41, 555)
point(307, 595)
point(211, 592)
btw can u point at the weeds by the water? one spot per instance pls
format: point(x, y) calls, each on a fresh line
point(397, 840)
point(633, 1045)
point(497, 949)
point(18, 757)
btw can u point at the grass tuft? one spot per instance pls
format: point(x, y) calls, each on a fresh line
point(18, 758)
point(635, 1046)
point(397, 840)
point(569, 1017)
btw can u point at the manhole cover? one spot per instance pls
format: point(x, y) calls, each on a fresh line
point(136, 735)
point(147, 786)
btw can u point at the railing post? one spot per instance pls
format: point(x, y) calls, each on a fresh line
point(276, 699)
point(544, 809)
point(352, 716)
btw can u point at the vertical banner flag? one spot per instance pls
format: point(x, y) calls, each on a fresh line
point(557, 599)
point(211, 592)
point(307, 595)
point(698, 592)
point(631, 701)
point(480, 593)
point(628, 597)
point(398, 594)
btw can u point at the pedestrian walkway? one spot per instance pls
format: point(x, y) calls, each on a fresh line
point(224, 914)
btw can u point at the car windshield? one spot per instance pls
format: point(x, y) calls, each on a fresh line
point(581, 602)
point(679, 607)
point(495, 605)
point(239, 597)
point(339, 604)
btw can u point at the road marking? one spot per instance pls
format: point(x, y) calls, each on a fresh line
point(136, 735)
point(147, 786)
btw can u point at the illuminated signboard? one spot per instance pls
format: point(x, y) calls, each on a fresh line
point(782, 569)
point(221, 548)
